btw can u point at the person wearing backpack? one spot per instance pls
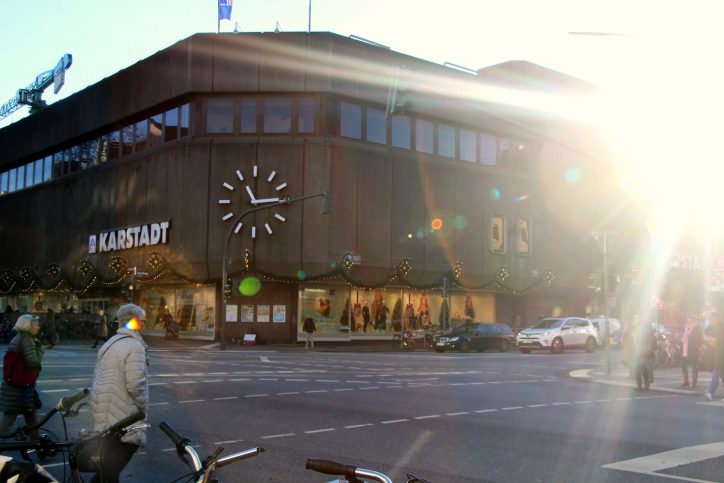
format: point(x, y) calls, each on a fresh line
point(17, 392)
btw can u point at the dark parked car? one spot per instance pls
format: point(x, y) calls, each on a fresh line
point(476, 336)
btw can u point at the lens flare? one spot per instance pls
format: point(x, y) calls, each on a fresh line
point(521, 198)
point(301, 275)
point(437, 224)
point(573, 175)
point(494, 194)
point(249, 286)
point(133, 324)
point(460, 222)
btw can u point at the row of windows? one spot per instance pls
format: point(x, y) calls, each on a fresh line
point(160, 128)
point(268, 115)
point(425, 136)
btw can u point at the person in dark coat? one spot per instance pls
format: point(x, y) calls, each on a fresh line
point(309, 328)
point(51, 336)
point(101, 328)
point(643, 350)
point(714, 336)
point(21, 400)
point(691, 342)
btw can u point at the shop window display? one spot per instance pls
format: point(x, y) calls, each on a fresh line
point(191, 308)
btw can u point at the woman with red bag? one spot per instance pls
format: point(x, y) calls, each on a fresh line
point(15, 400)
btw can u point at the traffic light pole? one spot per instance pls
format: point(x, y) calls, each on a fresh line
point(225, 254)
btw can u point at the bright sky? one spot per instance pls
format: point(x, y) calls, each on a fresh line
point(662, 69)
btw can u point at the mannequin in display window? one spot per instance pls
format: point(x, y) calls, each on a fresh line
point(357, 316)
point(366, 316)
point(423, 312)
point(409, 317)
point(469, 311)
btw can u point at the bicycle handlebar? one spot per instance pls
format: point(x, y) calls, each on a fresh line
point(203, 470)
point(348, 471)
point(66, 404)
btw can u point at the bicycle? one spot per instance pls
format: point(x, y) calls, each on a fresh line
point(84, 454)
point(353, 474)
point(202, 471)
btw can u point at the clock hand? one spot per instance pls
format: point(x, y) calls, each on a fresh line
point(251, 195)
point(267, 200)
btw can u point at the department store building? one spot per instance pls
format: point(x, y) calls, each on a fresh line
point(128, 189)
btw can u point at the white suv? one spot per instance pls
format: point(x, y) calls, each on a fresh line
point(558, 333)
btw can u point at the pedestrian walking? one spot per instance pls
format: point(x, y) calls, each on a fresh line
point(18, 395)
point(714, 336)
point(51, 336)
point(101, 328)
point(120, 389)
point(309, 328)
point(643, 350)
point(691, 342)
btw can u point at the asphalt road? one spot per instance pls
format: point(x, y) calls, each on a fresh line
point(443, 417)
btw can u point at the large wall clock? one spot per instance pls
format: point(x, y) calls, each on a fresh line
point(248, 192)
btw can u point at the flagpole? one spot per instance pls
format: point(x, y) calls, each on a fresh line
point(309, 24)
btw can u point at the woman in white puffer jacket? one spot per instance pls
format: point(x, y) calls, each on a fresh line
point(120, 389)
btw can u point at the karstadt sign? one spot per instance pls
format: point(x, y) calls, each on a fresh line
point(130, 237)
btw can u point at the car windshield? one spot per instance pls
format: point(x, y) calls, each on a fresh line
point(549, 324)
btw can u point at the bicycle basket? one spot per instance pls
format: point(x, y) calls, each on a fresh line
point(87, 454)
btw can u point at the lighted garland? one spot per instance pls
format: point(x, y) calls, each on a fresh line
point(28, 277)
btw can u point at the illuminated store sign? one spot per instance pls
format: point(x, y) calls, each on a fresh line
point(131, 237)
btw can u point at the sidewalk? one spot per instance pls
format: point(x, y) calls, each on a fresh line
point(667, 379)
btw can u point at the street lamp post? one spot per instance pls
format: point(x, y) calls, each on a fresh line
point(326, 204)
point(603, 245)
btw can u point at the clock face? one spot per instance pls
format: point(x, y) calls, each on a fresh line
point(249, 190)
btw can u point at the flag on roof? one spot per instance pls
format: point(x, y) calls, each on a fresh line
point(225, 9)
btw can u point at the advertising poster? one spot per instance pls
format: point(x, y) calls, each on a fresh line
point(247, 313)
point(262, 313)
point(280, 314)
point(231, 313)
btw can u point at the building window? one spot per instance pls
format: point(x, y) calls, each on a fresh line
point(497, 234)
point(488, 149)
point(468, 145)
point(523, 237)
point(350, 120)
point(156, 133)
point(401, 132)
point(4, 182)
point(376, 126)
point(141, 135)
point(127, 140)
point(29, 175)
point(38, 171)
point(277, 115)
point(446, 141)
point(307, 115)
point(47, 168)
point(219, 116)
point(21, 178)
point(114, 145)
point(424, 141)
point(248, 115)
point(513, 154)
point(11, 180)
point(184, 124)
point(170, 131)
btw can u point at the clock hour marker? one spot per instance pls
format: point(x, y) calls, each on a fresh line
point(279, 217)
point(228, 187)
point(281, 187)
point(255, 170)
point(253, 232)
point(238, 227)
point(224, 202)
point(271, 176)
point(239, 175)
point(268, 228)
point(227, 216)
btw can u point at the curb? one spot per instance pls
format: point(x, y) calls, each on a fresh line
point(590, 375)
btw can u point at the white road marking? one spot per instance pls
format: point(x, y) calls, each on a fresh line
point(486, 410)
point(457, 414)
point(213, 380)
point(277, 436)
point(48, 391)
point(427, 417)
point(344, 389)
point(393, 421)
point(537, 405)
point(192, 401)
point(325, 430)
point(652, 464)
point(256, 395)
point(229, 441)
point(511, 408)
point(315, 391)
point(158, 404)
point(287, 393)
point(355, 426)
point(226, 399)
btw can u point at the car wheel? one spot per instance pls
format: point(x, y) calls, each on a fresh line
point(525, 351)
point(590, 345)
point(464, 346)
point(557, 346)
point(505, 346)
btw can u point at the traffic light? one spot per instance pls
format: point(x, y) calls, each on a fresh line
point(227, 288)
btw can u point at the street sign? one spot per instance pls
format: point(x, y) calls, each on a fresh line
point(656, 302)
